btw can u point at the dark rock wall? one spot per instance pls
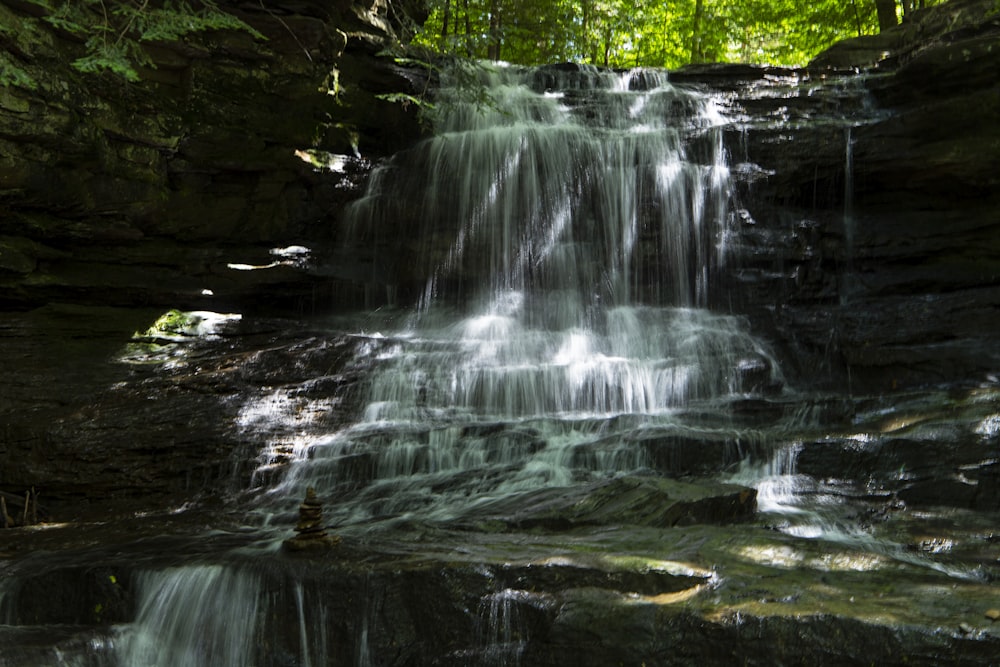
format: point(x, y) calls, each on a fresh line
point(871, 229)
point(926, 193)
point(120, 193)
point(120, 200)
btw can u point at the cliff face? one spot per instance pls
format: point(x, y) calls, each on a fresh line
point(927, 180)
point(871, 240)
point(119, 200)
point(123, 193)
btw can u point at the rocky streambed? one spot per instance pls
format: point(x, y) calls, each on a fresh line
point(158, 388)
point(869, 536)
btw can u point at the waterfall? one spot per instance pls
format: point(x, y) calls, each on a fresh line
point(196, 615)
point(313, 621)
point(575, 191)
point(567, 226)
point(501, 631)
point(563, 241)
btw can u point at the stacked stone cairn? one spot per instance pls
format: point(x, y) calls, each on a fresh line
point(309, 531)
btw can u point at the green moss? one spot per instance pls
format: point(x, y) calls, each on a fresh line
point(170, 323)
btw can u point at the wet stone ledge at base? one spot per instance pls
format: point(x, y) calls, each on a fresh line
point(638, 501)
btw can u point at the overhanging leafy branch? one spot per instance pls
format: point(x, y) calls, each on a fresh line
point(114, 33)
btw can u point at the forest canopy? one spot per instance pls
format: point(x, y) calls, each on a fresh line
point(661, 33)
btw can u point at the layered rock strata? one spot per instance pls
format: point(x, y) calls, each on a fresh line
point(229, 145)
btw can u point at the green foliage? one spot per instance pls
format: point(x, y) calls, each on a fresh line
point(405, 100)
point(465, 82)
point(117, 57)
point(664, 33)
point(12, 74)
point(114, 32)
point(176, 20)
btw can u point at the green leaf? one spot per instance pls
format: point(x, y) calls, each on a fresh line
point(405, 99)
point(115, 31)
point(12, 74)
point(114, 58)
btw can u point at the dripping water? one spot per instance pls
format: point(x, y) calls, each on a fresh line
point(849, 224)
point(314, 620)
point(365, 655)
point(502, 632)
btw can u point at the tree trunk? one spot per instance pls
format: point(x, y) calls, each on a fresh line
point(699, 11)
point(444, 20)
point(886, 14)
point(493, 48)
point(857, 17)
point(468, 29)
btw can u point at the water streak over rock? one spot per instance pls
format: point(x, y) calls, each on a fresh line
point(686, 367)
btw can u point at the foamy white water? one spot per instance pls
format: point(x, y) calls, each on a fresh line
point(570, 228)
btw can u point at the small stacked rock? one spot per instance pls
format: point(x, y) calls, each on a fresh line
point(310, 524)
point(309, 530)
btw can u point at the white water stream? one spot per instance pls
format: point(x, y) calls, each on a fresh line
point(194, 615)
point(571, 227)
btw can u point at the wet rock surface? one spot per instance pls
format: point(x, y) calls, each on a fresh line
point(869, 202)
point(98, 421)
point(582, 598)
point(634, 569)
point(866, 228)
point(637, 501)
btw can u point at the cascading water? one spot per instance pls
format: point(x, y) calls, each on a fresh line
point(201, 615)
point(501, 635)
point(571, 228)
